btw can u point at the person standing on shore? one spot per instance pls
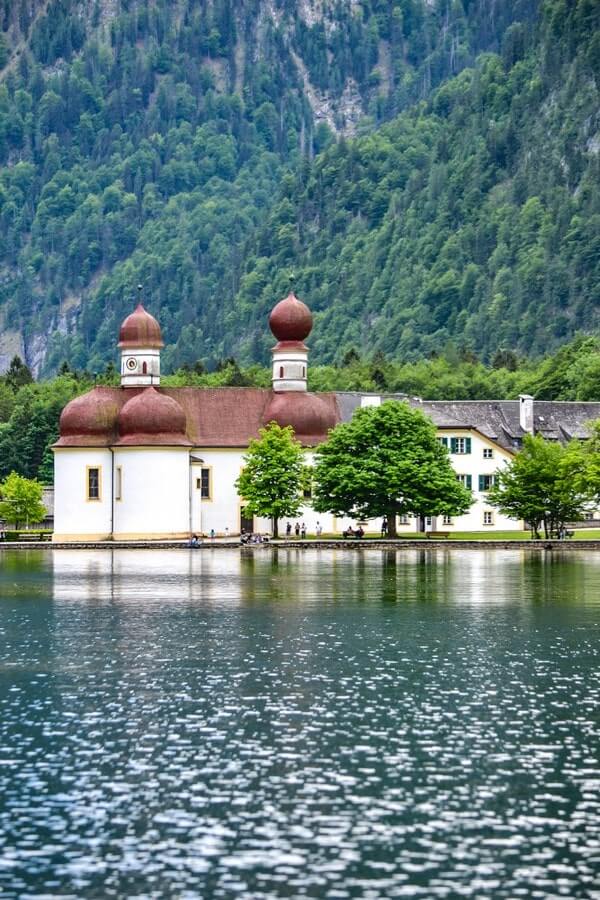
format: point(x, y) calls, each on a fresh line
point(303, 530)
point(319, 530)
point(288, 529)
point(297, 529)
point(384, 527)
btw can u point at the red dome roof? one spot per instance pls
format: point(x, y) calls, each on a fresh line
point(140, 330)
point(92, 417)
point(291, 319)
point(310, 416)
point(152, 418)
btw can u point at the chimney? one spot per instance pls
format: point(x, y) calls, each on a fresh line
point(526, 412)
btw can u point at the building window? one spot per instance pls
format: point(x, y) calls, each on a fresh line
point(443, 441)
point(203, 484)
point(460, 445)
point(281, 371)
point(447, 520)
point(465, 480)
point(488, 453)
point(486, 482)
point(403, 520)
point(488, 518)
point(304, 371)
point(118, 483)
point(144, 368)
point(93, 483)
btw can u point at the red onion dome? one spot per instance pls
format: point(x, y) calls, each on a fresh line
point(90, 419)
point(152, 418)
point(140, 330)
point(291, 319)
point(310, 416)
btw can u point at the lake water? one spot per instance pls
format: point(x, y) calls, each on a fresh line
point(331, 724)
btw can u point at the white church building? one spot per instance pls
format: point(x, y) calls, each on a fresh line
point(144, 462)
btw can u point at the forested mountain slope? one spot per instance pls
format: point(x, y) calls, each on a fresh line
point(205, 149)
point(473, 217)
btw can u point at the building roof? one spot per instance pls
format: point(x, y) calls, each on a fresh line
point(497, 420)
point(214, 417)
point(140, 331)
point(232, 416)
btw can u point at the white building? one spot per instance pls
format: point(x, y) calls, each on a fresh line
point(145, 462)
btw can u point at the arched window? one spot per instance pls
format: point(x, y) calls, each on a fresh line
point(144, 368)
point(281, 371)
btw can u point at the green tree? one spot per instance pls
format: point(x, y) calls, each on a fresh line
point(21, 500)
point(543, 484)
point(387, 461)
point(18, 373)
point(272, 478)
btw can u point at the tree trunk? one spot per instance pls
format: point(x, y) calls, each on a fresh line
point(275, 529)
point(391, 519)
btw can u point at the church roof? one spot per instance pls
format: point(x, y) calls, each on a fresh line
point(215, 417)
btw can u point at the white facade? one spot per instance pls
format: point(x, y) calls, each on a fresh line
point(172, 492)
point(289, 369)
point(140, 367)
point(152, 487)
point(77, 515)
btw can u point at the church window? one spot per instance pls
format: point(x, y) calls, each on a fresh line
point(304, 371)
point(118, 483)
point(281, 371)
point(203, 484)
point(144, 368)
point(93, 483)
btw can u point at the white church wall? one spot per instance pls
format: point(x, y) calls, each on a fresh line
point(154, 485)
point(76, 515)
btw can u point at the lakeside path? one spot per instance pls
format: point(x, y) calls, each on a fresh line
point(328, 544)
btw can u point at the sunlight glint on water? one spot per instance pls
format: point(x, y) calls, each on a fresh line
point(299, 723)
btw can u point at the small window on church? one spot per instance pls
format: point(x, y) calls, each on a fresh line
point(118, 483)
point(93, 483)
point(203, 484)
point(304, 371)
point(144, 368)
point(281, 371)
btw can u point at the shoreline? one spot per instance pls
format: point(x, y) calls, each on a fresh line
point(309, 544)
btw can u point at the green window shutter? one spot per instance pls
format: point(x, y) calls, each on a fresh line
point(470, 482)
point(467, 445)
point(453, 445)
point(444, 441)
point(482, 482)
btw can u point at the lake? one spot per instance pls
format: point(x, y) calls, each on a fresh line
point(301, 723)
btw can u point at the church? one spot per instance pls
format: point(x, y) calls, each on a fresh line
point(143, 462)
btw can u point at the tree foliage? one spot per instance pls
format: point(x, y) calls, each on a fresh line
point(545, 485)
point(387, 461)
point(273, 475)
point(21, 500)
point(176, 145)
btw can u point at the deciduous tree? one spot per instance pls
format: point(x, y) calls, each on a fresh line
point(544, 485)
point(272, 478)
point(21, 500)
point(387, 461)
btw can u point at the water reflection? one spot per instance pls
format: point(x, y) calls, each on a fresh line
point(294, 723)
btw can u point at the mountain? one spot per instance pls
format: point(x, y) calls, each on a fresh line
point(427, 168)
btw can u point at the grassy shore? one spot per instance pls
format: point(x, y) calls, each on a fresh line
point(589, 534)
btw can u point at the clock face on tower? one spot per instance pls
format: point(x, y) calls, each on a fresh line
point(131, 364)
